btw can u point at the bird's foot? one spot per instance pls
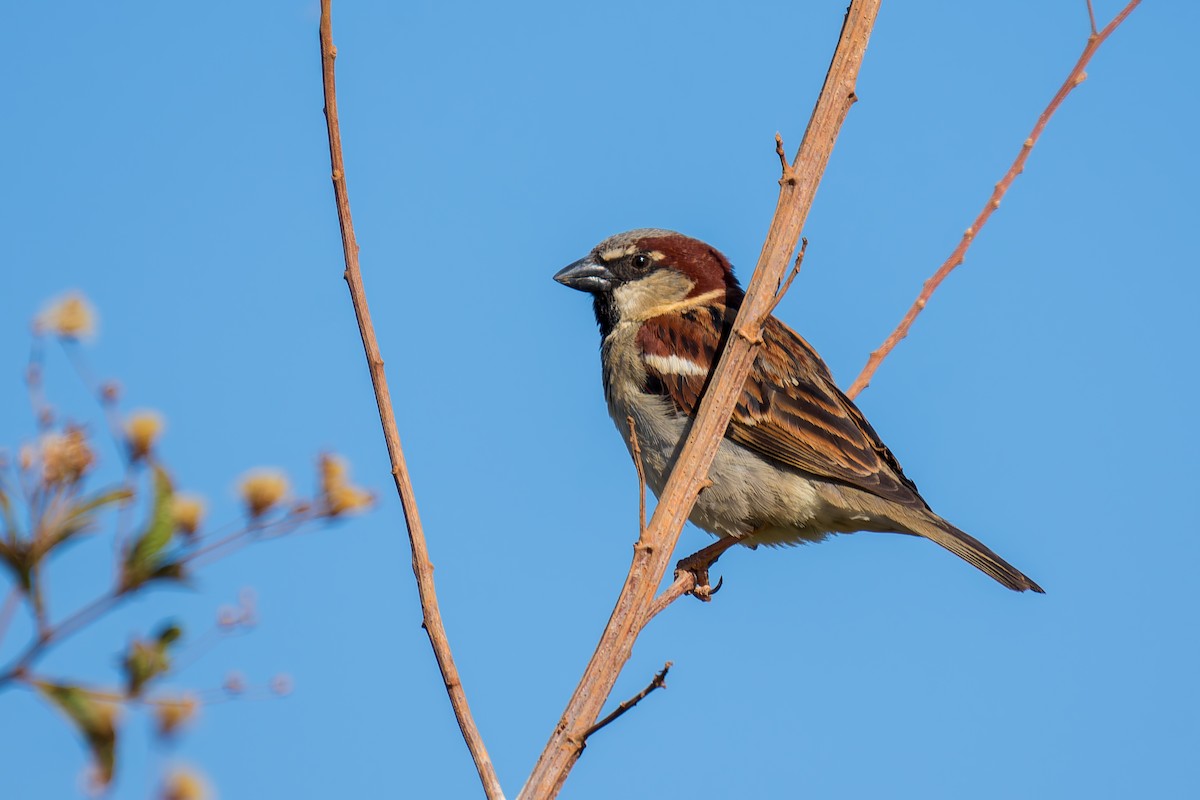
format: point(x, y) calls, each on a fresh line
point(698, 564)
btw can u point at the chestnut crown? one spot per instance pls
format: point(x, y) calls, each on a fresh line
point(634, 255)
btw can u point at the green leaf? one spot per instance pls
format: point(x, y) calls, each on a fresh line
point(168, 634)
point(143, 562)
point(168, 571)
point(142, 663)
point(19, 559)
point(93, 719)
point(147, 659)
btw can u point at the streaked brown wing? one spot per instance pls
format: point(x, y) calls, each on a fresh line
point(790, 409)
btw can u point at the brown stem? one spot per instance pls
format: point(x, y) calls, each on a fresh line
point(787, 284)
point(652, 553)
point(422, 567)
point(1076, 77)
point(255, 531)
point(56, 634)
point(659, 682)
point(685, 584)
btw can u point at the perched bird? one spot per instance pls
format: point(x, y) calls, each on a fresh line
point(798, 461)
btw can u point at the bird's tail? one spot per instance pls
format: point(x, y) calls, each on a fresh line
point(974, 552)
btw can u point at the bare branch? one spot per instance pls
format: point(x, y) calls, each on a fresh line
point(659, 682)
point(1076, 77)
point(52, 635)
point(422, 567)
point(1091, 16)
point(652, 553)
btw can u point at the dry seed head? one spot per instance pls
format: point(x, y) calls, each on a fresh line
point(338, 494)
point(65, 456)
point(185, 784)
point(348, 499)
point(70, 316)
point(333, 469)
point(173, 714)
point(142, 430)
point(188, 510)
point(262, 489)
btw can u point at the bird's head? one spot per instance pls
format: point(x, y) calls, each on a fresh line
point(638, 274)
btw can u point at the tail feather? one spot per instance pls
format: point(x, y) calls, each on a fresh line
point(976, 553)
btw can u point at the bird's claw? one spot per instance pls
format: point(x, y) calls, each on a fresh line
point(699, 572)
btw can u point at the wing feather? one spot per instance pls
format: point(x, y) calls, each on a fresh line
point(790, 410)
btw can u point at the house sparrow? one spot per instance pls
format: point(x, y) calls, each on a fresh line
point(798, 461)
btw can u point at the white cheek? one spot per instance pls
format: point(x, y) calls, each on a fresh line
point(636, 298)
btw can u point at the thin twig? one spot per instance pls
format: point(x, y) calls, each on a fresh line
point(652, 553)
point(422, 567)
point(1091, 16)
point(254, 532)
point(659, 682)
point(787, 284)
point(43, 413)
point(108, 406)
point(1076, 77)
point(785, 169)
point(636, 449)
point(685, 584)
point(57, 633)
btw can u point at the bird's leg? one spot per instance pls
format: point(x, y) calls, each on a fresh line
point(698, 563)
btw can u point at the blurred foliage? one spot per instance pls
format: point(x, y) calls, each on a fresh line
point(46, 502)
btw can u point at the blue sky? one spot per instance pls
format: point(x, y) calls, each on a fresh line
point(169, 161)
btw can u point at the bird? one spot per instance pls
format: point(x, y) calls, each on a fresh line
point(798, 461)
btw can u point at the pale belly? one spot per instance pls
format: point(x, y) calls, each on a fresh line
point(750, 497)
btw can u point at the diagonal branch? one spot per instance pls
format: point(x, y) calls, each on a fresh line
point(1076, 77)
point(422, 567)
point(659, 682)
point(653, 550)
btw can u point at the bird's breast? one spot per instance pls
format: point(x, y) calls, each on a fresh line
point(747, 493)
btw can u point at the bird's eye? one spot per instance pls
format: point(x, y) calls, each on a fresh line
point(641, 261)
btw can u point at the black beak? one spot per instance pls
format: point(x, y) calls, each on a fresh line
point(586, 275)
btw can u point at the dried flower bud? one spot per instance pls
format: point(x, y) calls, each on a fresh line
point(185, 784)
point(142, 430)
point(348, 499)
point(70, 317)
point(262, 489)
point(282, 684)
point(338, 495)
point(248, 601)
point(227, 617)
point(173, 714)
point(188, 511)
point(235, 683)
